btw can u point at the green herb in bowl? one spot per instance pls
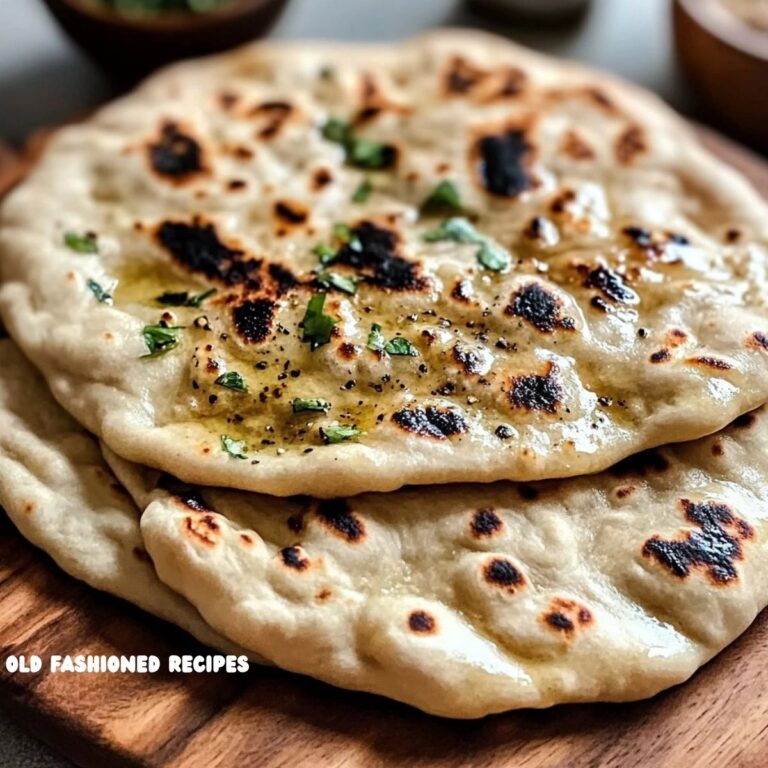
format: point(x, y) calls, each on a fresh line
point(164, 6)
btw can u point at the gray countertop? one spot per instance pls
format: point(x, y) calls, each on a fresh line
point(44, 80)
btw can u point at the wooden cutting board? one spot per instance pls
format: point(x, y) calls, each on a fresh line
point(268, 718)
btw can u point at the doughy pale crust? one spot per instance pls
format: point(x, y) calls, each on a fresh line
point(468, 599)
point(633, 311)
point(61, 495)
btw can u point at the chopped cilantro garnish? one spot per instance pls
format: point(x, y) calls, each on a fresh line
point(141, 7)
point(183, 298)
point(367, 153)
point(444, 198)
point(316, 324)
point(397, 347)
point(337, 131)
point(338, 433)
point(103, 296)
point(493, 257)
point(490, 254)
point(458, 229)
point(81, 243)
point(341, 283)
point(400, 346)
point(325, 253)
point(310, 404)
point(343, 236)
point(363, 191)
point(232, 380)
point(360, 152)
point(160, 339)
point(235, 448)
point(376, 340)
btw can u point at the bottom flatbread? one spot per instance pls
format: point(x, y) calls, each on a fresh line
point(467, 600)
point(61, 495)
point(460, 600)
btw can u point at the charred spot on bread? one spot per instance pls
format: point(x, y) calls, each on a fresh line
point(337, 517)
point(566, 616)
point(715, 548)
point(293, 557)
point(203, 527)
point(469, 360)
point(374, 254)
point(272, 115)
point(710, 362)
point(758, 340)
point(439, 423)
point(576, 147)
point(291, 212)
point(503, 162)
point(461, 76)
point(421, 622)
point(502, 573)
point(462, 291)
point(254, 318)
point(485, 523)
point(537, 306)
point(537, 392)
point(630, 144)
point(610, 284)
point(197, 246)
point(176, 154)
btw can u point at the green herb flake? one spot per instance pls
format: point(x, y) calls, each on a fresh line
point(397, 347)
point(359, 152)
point(103, 296)
point(235, 448)
point(458, 229)
point(316, 324)
point(363, 192)
point(366, 153)
point(346, 236)
point(341, 283)
point(493, 257)
point(376, 340)
point(400, 347)
point(325, 253)
point(232, 380)
point(301, 404)
point(490, 254)
point(85, 244)
point(338, 433)
point(183, 298)
point(337, 131)
point(152, 7)
point(160, 339)
point(444, 198)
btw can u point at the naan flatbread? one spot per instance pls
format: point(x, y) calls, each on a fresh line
point(60, 494)
point(468, 599)
point(448, 260)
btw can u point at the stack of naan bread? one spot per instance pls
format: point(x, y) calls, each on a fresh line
point(258, 297)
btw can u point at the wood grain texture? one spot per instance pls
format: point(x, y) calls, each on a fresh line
point(268, 718)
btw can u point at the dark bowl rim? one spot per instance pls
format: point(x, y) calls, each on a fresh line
point(231, 12)
point(739, 36)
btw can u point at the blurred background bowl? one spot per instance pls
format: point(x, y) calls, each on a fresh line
point(725, 58)
point(130, 46)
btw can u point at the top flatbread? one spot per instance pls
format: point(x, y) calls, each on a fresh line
point(603, 291)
